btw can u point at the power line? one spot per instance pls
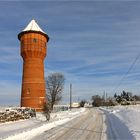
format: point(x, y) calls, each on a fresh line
point(130, 68)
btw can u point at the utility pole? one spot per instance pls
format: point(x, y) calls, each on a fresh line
point(70, 96)
point(104, 97)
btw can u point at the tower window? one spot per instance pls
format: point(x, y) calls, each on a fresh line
point(35, 40)
point(28, 91)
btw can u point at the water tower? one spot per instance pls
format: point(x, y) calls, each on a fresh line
point(33, 48)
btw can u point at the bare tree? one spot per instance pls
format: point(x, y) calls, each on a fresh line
point(82, 103)
point(55, 86)
point(97, 100)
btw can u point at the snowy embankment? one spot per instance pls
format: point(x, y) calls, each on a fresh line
point(27, 129)
point(122, 122)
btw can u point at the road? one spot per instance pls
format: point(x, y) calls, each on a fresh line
point(86, 127)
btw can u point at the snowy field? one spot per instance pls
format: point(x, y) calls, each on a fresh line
point(122, 122)
point(27, 129)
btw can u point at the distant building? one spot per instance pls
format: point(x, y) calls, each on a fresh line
point(57, 108)
point(75, 105)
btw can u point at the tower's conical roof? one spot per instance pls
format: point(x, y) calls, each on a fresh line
point(33, 27)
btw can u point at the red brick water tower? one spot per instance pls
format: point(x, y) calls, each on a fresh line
point(33, 49)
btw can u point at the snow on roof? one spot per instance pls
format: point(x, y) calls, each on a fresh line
point(33, 26)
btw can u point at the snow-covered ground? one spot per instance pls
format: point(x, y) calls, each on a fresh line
point(123, 122)
point(119, 122)
point(27, 129)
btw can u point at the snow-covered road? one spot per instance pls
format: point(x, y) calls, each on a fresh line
point(113, 123)
point(85, 127)
point(123, 122)
point(116, 129)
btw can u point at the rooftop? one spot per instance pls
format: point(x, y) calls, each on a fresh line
point(33, 26)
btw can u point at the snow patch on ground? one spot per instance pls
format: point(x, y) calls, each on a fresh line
point(27, 129)
point(129, 116)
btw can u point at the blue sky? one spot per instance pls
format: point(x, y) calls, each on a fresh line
point(93, 43)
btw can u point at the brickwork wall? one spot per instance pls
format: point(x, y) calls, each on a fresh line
point(33, 52)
